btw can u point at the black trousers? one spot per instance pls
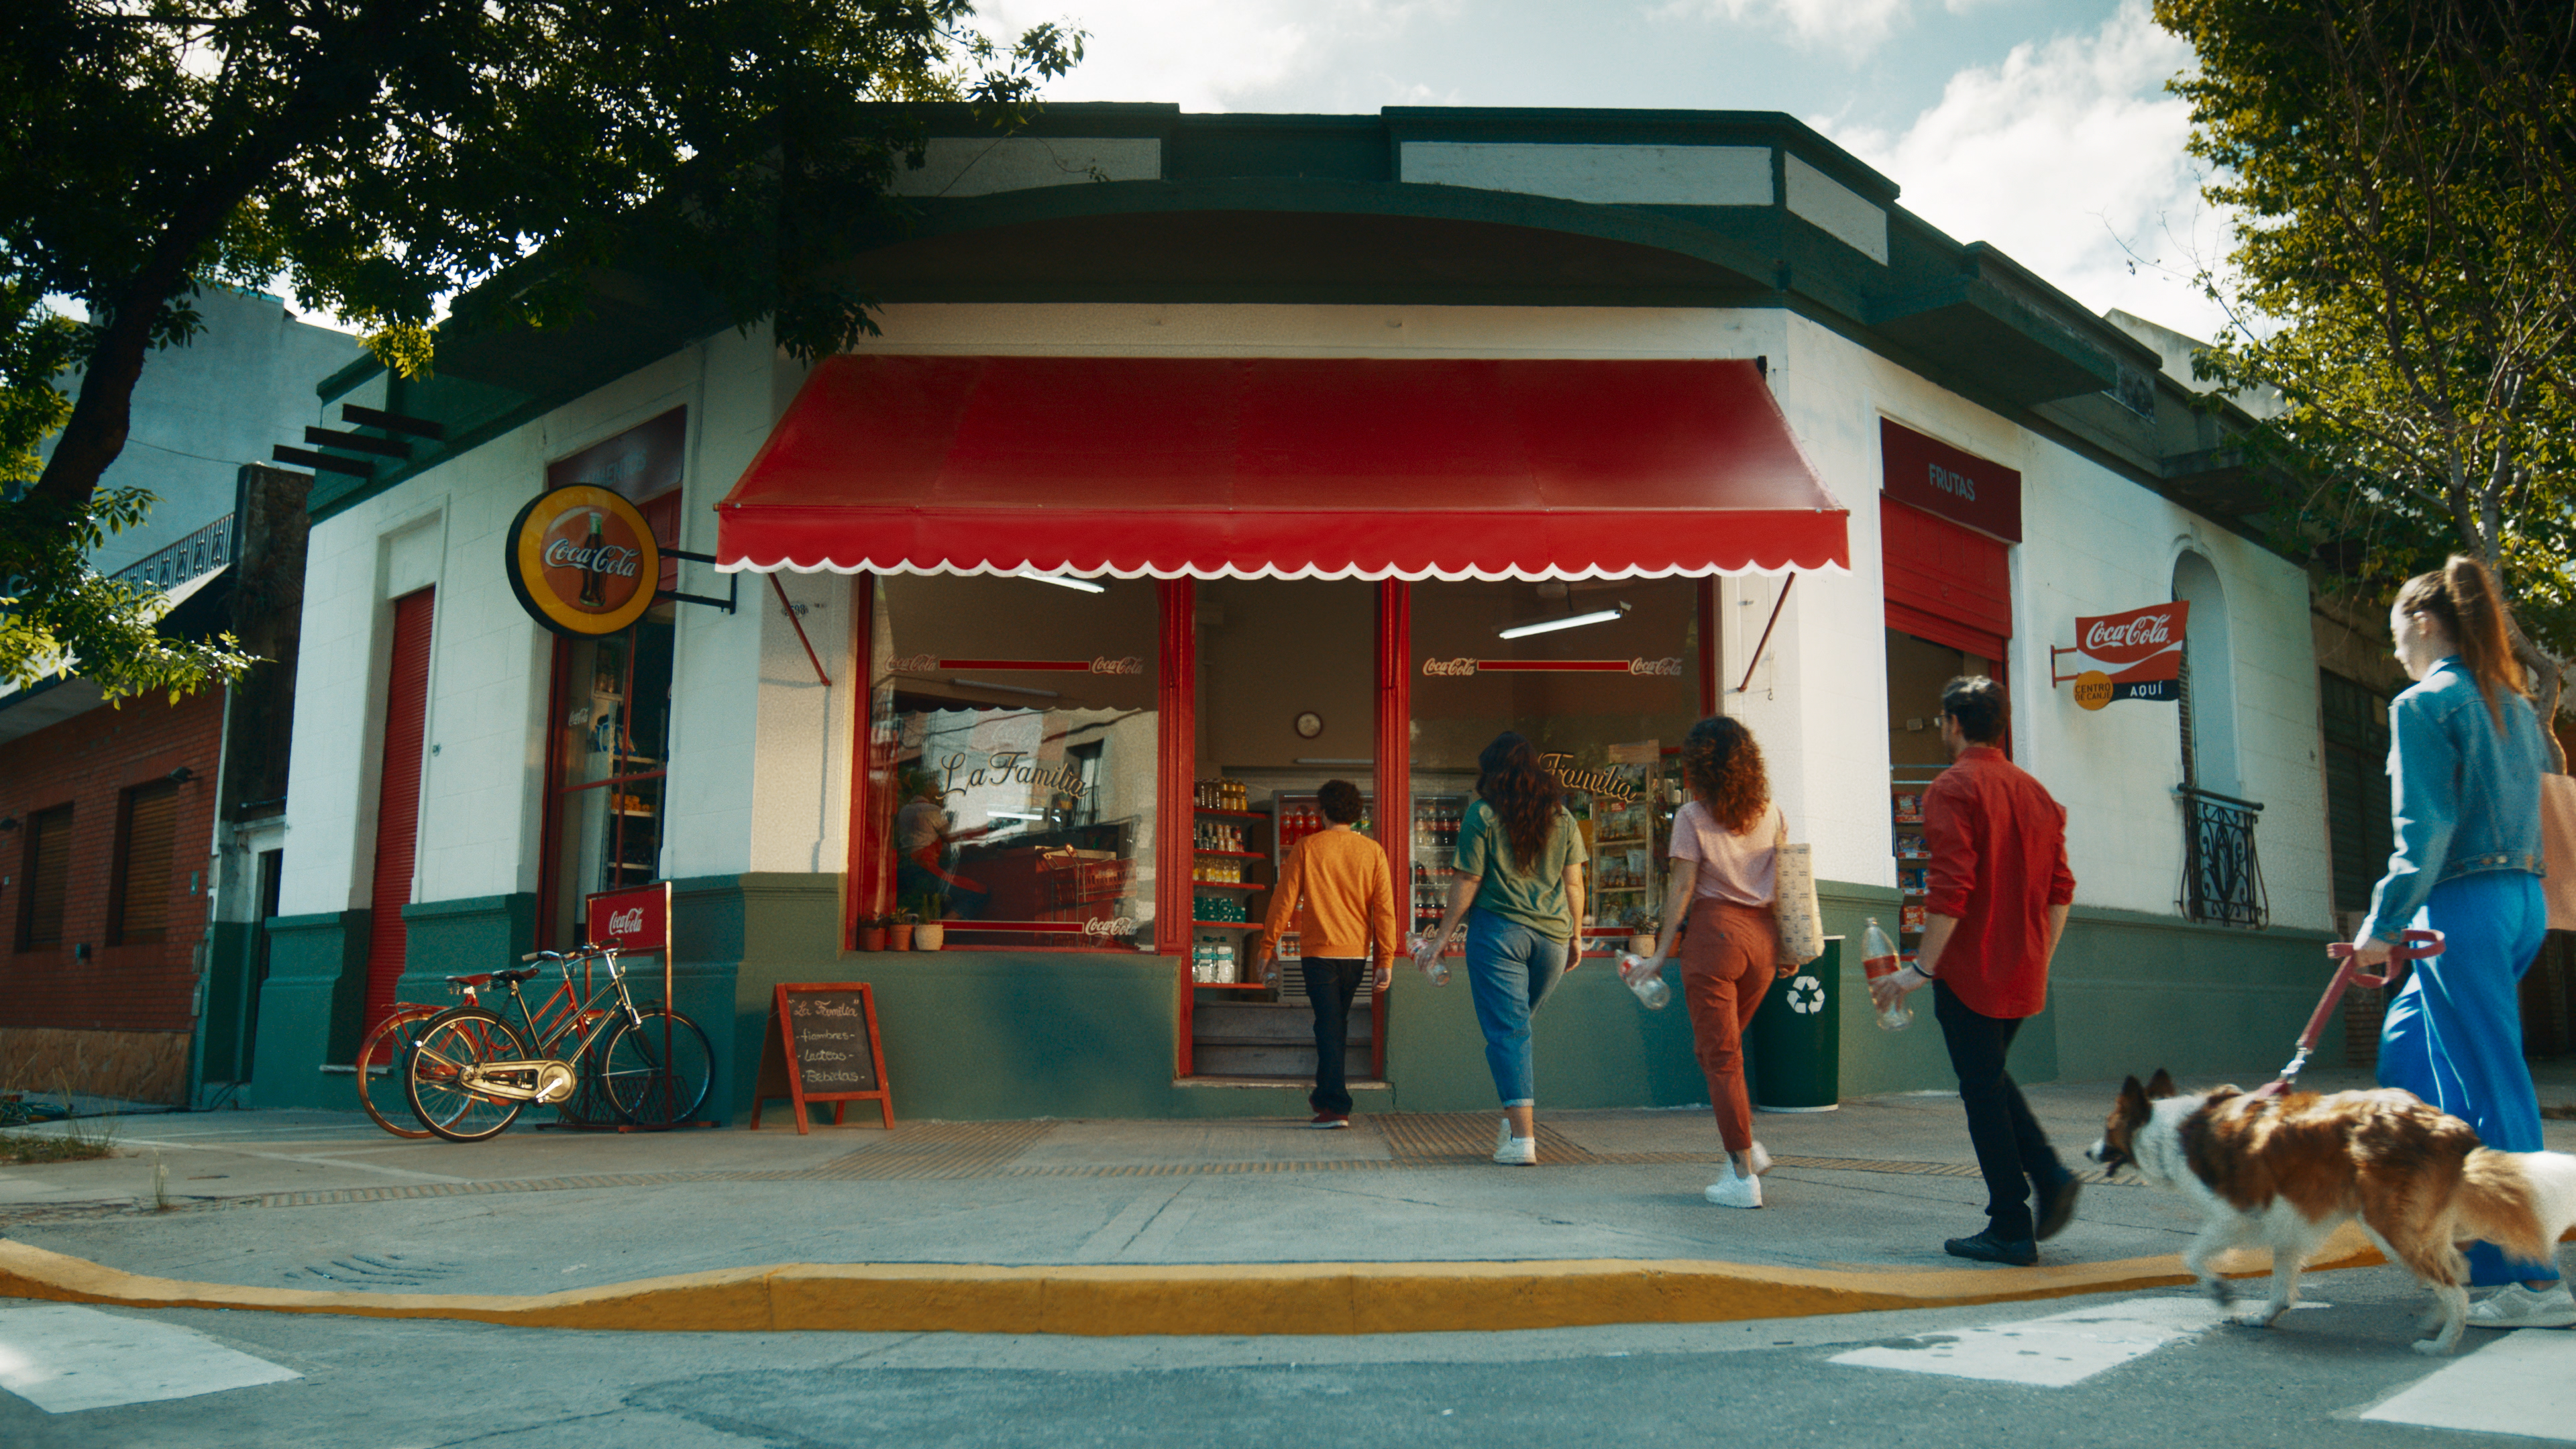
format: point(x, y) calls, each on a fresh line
point(1331, 982)
point(2012, 1152)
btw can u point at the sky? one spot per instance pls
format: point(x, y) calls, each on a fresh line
point(2040, 126)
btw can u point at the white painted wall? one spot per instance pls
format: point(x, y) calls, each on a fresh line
point(760, 750)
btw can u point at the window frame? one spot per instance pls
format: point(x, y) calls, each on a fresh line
point(121, 878)
point(31, 859)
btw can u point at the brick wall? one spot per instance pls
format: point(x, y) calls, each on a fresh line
point(87, 762)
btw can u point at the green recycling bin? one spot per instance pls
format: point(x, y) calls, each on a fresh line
point(1795, 1046)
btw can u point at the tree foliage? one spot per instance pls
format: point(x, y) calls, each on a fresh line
point(2403, 174)
point(385, 155)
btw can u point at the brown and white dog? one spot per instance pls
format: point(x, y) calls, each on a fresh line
point(2283, 1171)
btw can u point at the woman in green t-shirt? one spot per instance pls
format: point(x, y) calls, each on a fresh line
point(1518, 887)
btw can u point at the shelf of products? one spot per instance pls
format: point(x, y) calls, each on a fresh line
point(1230, 840)
point(1913, 855)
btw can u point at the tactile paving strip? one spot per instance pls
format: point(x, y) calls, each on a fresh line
point(932, 1151)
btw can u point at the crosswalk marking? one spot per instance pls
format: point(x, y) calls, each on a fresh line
point(2522, 1382)
point(64, 1359)
point(2052, 1352)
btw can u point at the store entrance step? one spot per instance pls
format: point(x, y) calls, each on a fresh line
point(1268, 1059)
point(1264, 1021)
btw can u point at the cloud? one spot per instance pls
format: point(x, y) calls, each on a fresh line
point(1240, 55)
point(1852, 27)
point(2068, 156)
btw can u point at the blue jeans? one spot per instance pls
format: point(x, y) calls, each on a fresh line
point(1511, 969)
point(2453, 1036)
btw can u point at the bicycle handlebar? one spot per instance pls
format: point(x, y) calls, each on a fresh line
point(578, 953)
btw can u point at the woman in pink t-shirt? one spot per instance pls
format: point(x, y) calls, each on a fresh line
point(1725, 856)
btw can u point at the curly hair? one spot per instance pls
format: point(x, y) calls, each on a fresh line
point(1522, 796)
point(1723, 767)
point(1341, 801)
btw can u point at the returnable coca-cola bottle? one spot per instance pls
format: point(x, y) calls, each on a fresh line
point(1877, 959)
point(594, 591)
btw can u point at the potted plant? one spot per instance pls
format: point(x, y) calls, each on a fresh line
point(899, 932)
point(929, 935)
point(872, 931)
point(1641, 930)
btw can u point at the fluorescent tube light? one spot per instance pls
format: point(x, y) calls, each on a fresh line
point(1065, 581)
point(1319, 760)
point(1571, 621)
point(1013, 815)
point(1006, 688)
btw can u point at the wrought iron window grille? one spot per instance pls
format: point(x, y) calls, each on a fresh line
point(2222, 877)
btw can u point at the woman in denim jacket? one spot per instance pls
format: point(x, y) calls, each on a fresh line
point(2464, 763)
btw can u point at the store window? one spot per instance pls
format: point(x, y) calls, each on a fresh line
point(1602, 676)
point(139, 913)
point(46, 869)
point(1013, 758)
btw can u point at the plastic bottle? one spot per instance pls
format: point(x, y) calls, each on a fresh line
point(1877, 959)
point(1652, 992)
point(1438, 970)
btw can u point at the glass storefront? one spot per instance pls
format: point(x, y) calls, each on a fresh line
point(1602, 677)
point(1013, 746)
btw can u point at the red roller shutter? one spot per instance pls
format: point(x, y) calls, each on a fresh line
point(1945, 583)
point(398, 799)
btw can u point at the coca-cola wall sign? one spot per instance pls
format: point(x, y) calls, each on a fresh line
point(582, 561)
point(1937, 478)
point(2137, 654)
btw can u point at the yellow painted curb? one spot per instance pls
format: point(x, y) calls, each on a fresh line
point(1234, 1298)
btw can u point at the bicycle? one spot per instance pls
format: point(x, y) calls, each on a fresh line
point(384, 1063)
point(470, 1073)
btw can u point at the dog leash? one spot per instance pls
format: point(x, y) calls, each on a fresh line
point(2412, 945)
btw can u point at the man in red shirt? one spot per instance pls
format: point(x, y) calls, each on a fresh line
point(2000, 892)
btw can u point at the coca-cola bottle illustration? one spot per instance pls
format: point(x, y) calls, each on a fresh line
point(1877, 959)
point(594, 583)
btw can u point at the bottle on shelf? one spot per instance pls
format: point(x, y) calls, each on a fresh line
point(1877, 959)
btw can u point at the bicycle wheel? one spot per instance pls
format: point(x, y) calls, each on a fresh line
point(455, 1039)
point(656, 1069)
point(384, 1061)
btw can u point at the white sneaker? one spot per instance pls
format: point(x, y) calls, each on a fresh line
point(1736, 1192)
point(1517, 1151)
point(2517, 1306)
point(1503, 1135)
point(1761, 1160)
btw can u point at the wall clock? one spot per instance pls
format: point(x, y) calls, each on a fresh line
point(1309, 725)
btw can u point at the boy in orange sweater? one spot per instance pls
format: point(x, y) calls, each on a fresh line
point(1337, 891)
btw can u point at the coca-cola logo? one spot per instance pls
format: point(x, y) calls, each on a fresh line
point(1662, 667)
point(1129, 665)
point(606, 558)
point(914, 664)
point(1448, 668)
point(1108, 926)
point(627, 922)
point(2134, 634)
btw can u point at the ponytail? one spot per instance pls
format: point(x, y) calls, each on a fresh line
point(2462, 597)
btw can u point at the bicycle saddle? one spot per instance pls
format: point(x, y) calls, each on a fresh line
point(486, 978)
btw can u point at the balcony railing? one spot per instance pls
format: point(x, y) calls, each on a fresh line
point(203, 551)
point(2222, 879)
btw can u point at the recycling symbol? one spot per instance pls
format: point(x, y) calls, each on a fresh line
point(1806, 995)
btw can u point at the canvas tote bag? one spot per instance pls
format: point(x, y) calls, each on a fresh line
point(2558, 849)
point(1802, 923)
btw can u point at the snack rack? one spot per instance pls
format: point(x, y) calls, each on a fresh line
point(1913, 856)
point(1230, 844)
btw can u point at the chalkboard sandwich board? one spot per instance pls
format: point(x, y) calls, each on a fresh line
point(821, 1046)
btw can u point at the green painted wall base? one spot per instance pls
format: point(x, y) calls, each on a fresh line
point(1003, 1035)
point(309, 1008)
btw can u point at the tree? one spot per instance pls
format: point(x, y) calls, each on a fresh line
point(383, 155)
point(2404, 178)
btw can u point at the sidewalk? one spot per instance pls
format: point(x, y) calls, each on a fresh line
point(301, 1208)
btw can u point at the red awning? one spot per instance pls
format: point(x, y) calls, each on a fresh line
point(1281, 467)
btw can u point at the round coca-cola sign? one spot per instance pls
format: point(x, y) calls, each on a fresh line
point(582, 561)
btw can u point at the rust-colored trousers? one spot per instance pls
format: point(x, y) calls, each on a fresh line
point(1729, 954)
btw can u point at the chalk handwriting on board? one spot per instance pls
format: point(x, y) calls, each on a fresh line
point(829, 1032)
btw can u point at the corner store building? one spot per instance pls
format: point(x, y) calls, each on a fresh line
point(1268, 382)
